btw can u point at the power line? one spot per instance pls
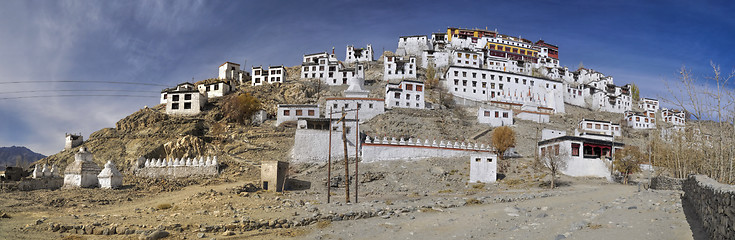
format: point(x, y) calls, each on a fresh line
point(80, 81)
point(75, 90)
point(89, 95)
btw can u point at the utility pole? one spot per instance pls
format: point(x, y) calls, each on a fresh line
point(329, 160)
point(347, 165)
point(357, 141)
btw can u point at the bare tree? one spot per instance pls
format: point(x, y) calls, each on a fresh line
point(627, 161)
point(503, 138)
point(554, 160)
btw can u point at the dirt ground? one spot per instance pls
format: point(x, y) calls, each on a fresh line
point(428, 199)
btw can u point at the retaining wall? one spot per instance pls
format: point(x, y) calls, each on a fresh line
point(388, 150)
point(666, 183)
point(30, 184)
point(714, 203)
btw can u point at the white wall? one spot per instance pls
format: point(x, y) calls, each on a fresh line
point(307, 111)
point(399, 96)
point(369, 107)
point(578, 166)
point(196, 102)
point(312, 145)
point(395, 67)
point(488, 116)
point(413, 45)
point(373, 152)
point(483, 167)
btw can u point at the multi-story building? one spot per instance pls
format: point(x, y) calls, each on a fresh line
point(213, 89)
point(495, 117)
point(360, 55)
point(404, 94)
point(600, 127)
point(355, 98)
point(675, 117)
point(184, 99)
point(648, 104)
point(325, 67)
point(641, 120)
point(294, 112)
point(484, 85)
point(232, 71)
point(395, 67)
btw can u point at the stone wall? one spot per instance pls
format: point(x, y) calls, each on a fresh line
point(30, 184)
point(666, 183)
point(415, 149)
point(714, 203)
point(175, 168)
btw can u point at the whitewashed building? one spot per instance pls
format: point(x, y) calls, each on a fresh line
point(600, 127)
point(214, 89)
point(404, 94)
point(640, 120)
point(232, 71)
point(293, 112)
point(533, 112)
point(675, 117)
point(495, 117)
point(82, 172)
point(362, 55)
point(648, 104)
point(355, 97)
point(585, 156)
point(259, 76)
point(413, 45)
point(73, 140)
point(483, 85)
point(184, 99)
point(464, 58)
point(483, 168)
point(326, 68)
point(276, 74)
point(437, 59)
point(395, 67)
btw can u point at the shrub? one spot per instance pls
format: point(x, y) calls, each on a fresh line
point(163, 206)
point(239, 108)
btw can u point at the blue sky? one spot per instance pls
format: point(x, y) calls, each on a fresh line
point(167, 42)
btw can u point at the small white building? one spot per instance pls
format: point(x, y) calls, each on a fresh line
point(398, 68)
point(483, 168)
point(213, 89)
point(356, 98)
point(404, 94)
point(73, 140)
point(675, 117)
point(259, 77)
point(532, 112)
point(600, 127)
point(293, 112)
point(437, 59)
point(82, 172)
point(359, 54)
point(232, 71)
point(326, 68)
point(413, 45)
point(495, 117)
point(637, 120)
point(584, 156)
point(276, 74)
point(648, 104)
point(110, 177)
point(184, 99)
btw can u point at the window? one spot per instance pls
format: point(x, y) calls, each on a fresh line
point(505, 115)
point(419, 88)
point(299, 112)
point(464, 82)
point(597, 126)
point(311, 112)
point(175, 98)
point(370, 105)
point(165, 95)
point(487, 113)
point(409, 87)
point(286, 112)
point(589, 125)
point(174, 106)
point(489, 160)
point(207, 88)
point(464, 74)
point(575, 149)
point(397, 95)
point(187, 105)
point(484, 84)
point(359, 105)
point(408, 96)
point(477, 159)
point(605, 127)
point(497, 114)
point(418, 96)
point(216, 87)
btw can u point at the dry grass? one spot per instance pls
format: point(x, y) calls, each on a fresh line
point(323, 224)
point(293, 233)
point(163, 206)
point(445, 191)
point(594, 226)
point(473, 201)
point(74, 237)
point(478, 186)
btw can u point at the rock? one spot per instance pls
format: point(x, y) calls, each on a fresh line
point(4, 215)
point(155, 235)
point(201, 235)
point(559, 237)
point(228, 233)
point(542, 215)
point(632, 207)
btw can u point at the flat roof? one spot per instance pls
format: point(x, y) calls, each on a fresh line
point(356, 98)
point(512, 73)
point(298, 105)
point(599, 121)
point(580, 139)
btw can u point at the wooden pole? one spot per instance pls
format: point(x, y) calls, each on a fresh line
point(347, 165)
point(329, 160)
point(357, 142)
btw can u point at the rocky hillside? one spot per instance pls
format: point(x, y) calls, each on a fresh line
point(11, 156)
